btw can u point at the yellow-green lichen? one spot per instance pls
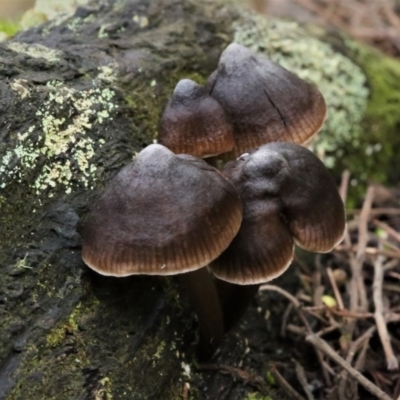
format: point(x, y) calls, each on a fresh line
point(141, 20)
point(36, 50)
point(104, 390)
point(342, 82)
point(62, 152)
point(158, 354)
point(21, 87)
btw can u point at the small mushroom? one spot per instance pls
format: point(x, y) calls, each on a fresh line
point(264, 102)
point(288, 197)
point(194, 123)
point(166, 214)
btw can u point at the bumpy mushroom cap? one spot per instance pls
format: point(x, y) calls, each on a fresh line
point(194, 123)
point(162, 214)
point(288, 197)
point(264, 102)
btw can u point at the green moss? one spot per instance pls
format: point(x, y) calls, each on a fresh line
point(149, 97)
point(70, 326)
point(65, 334)
point(382, 117)
point(9, 27)
point(270, 379)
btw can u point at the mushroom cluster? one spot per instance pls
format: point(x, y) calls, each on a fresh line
point(170, 212)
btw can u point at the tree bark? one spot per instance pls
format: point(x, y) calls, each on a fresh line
point(79, 96)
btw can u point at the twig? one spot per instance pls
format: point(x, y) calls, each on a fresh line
point(344, 185)
point(297, 305)
point(285, 384)
point(185, 391)
point(354, 347)
point(391, 287)
point(328, 329)
point(390, 14)
point(371, 251)
point(360, 361)
point(252, 379)
point(338, 296)
point(391, 360)
point(348, 314)
point(390, 231)
point(376, 211)
point(318, 290)
point(326, 349)
point(395, 275)
point(359, 297)
point(285, 317)
point(301, 377)
point(296, 329)
point(390, 265)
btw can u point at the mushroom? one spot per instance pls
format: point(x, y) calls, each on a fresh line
point(288, 198)
point(194, 123)
point(264, 102)
point(166, 214)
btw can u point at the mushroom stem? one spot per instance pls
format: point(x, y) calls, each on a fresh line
point(234, 300)
point(202, 294)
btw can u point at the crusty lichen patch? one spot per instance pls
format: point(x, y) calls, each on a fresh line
point(342, 83)
point(58, 148)
point(36, 50)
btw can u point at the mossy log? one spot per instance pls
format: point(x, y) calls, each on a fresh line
point(79, 96)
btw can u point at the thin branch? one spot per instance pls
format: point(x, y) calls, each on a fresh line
point(252, 379)
point(301, 377)
point(370, 251)
point(344, 185)
point(389, 230)
point(376, 211)
point(391, 360)
point(285, 385)
point(338, 296)
point(297, 305)
point(327, 350)
point(357, 282)
point(363, 340)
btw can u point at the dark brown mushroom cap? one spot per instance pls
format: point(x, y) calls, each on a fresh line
point(264, 102)
point(288, 197)
point(162, 214)
point(194, 123)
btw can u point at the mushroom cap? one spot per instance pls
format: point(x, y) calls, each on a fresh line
point(264, 102)
point(288, 197)
point(194, 123)
point(162, 214)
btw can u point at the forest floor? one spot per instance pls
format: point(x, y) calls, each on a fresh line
point(330, 327)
